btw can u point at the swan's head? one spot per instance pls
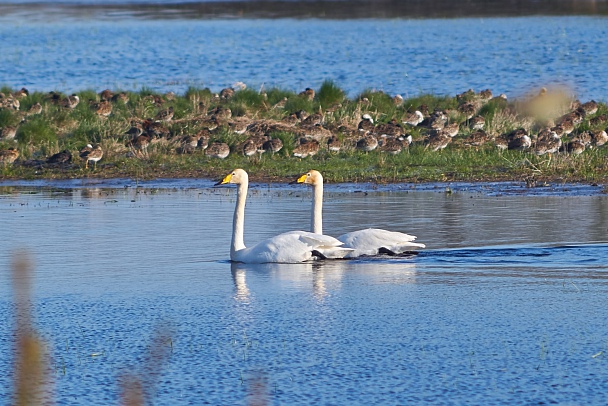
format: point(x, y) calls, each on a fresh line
point(311, 177)
point(237, 176)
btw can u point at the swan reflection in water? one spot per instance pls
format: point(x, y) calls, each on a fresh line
point(241, 291)
point(298, 277)
point(321, 278)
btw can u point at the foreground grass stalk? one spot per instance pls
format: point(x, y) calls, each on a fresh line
point(138, 388)
point(30, 369)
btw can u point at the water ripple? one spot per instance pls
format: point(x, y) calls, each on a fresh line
point(514, 313)
point(508, 55)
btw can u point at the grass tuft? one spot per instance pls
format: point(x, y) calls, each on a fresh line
point(35, 132)
point(330, 94)
point(299, 103)
point(249, 98)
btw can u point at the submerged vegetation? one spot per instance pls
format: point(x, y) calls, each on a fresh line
point(275, 133)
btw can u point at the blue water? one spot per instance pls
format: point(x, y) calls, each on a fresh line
point(409, 57)
point(505, 306)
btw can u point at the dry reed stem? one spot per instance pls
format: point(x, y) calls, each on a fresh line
point(257, 391)
point(132, 393)
point(138, 388)
point(29, 370)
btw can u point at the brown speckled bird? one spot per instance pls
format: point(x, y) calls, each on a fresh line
point(8, 132)
point(90, 153)
point(139, 145)
point(334, 144)
point(70, 102)
point(62, 157)
point(218, 150)
point(106, 95)
point(227, 93)
point(103, 108)
point(36, 108)
point(308, 94)
point(307, 147)
point(575, 147)
point(8, 156)
point(367, 143)
point(273, 145)
point(438, 141)
point(165, 115)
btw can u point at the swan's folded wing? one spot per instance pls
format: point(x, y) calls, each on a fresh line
point(293, 247)
point(282, 248)
point(317, 240)
point(329, 247)
point(369, 241)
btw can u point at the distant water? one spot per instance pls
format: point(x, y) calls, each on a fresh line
point(409, 57)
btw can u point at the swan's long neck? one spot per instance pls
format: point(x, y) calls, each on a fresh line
point(317, 209)
point(238, 222)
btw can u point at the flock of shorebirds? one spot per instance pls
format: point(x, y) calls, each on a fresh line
point(321, 130)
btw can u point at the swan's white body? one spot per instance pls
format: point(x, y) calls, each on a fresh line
point(370, 241)
point(290, 247)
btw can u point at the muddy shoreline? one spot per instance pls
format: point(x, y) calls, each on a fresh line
point(544, 187)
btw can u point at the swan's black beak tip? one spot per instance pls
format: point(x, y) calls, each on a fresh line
point(218, 183)
point(293, 182)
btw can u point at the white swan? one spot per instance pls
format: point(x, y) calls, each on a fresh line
point(371, 241)
point(290, 247)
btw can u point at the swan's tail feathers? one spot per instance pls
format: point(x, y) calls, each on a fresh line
point(405, 246)
point(416, 244)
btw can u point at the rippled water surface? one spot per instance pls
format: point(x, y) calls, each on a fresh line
point(505, 306)
point(441, 56)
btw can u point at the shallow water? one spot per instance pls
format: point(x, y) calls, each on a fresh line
point(505, 306)
point(409, 57)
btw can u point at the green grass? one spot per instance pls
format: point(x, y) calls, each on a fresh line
point(37, 131)
point(299, 103)
point(8, 118)
point(275, 95)
point(330, 94)
point(6, 90)
point(88, 94)
point(380, 103)
point(249, 98)
point(58, 128)
point(431, 101)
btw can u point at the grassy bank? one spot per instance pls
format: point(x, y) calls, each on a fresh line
point(138, 141)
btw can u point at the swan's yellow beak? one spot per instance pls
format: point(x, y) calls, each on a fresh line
point(301, 179)
point(227, 179)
